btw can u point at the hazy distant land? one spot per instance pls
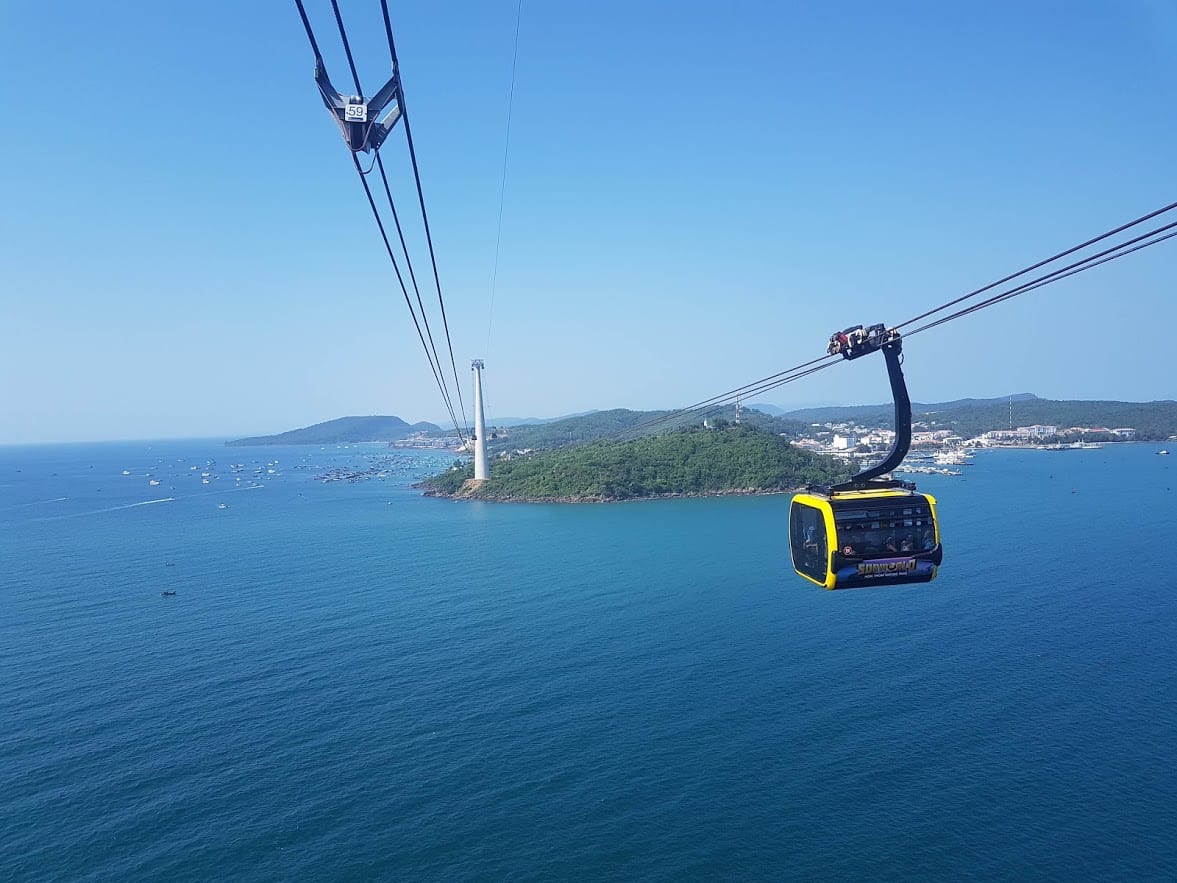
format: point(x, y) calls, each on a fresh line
point(344, 430)
point(582, 458)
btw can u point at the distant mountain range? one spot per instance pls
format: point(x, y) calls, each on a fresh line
point(1152, 420)
point(843, 413)
point(344, 430)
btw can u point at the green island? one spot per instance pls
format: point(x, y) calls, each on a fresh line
point(342, 430)
point(696, 461)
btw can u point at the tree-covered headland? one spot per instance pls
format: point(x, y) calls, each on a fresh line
point(691, 462)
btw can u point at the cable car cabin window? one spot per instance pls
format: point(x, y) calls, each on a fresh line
point(878, 532)
point(808, 541)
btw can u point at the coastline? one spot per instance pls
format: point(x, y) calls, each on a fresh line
point(740, 492)
point(466, 495)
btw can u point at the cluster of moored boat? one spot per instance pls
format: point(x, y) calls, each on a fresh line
point(209, 475)
point(928, 470)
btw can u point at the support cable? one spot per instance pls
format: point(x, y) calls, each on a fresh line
point(723, 398)
point(1122, 249)
point(400, 97)
point(439, 377)
point(409, 263)
point(351, 62)
point(1153, 237)
point(302, 13)
point(1110, 254)
point(494, 279)
point(430, 348)
point(1042, 263)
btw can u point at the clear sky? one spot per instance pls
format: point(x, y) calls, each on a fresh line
point(697, 195)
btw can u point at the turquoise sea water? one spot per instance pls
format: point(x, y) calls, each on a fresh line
point(355, 682)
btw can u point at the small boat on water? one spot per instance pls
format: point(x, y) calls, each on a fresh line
point(223, 506)
point(168, 594)
point(1162, 452)
point(154, 482)
point(126, 472)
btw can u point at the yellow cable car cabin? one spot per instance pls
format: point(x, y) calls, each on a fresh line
point(875, 537)
point(871, 530)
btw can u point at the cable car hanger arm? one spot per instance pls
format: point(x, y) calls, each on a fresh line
point(356, 118)
point(859, 341)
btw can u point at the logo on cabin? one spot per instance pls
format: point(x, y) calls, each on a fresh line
point(886, 568)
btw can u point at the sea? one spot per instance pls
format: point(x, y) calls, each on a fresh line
point(286, 664)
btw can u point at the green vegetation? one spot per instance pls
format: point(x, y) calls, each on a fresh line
point(1153, 421)
point(345, 430)
point(601, 424)
point(695, 461)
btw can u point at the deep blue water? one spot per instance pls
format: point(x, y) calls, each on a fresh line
point(355, 682)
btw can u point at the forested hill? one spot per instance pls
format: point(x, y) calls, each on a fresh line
point(599, 424)
point(344, 430)
point(970, 417)
point(690, 462)
point(871, 414)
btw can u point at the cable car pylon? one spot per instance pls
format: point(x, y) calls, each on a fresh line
point(481, 471)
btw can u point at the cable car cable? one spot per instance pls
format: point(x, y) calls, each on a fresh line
point(494, 279)
point(741, 391)
point(1117, 251)
point(351, 62)
point(432, 358)
point(753, 388)
point(400, 95)
point(310, 34)
point(715, 402)
point(409, 263)
point(772, 381)
point(438, 377)
point(1073, 269)
point(1042, 263)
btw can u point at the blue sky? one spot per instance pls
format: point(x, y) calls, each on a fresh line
point(697, 195)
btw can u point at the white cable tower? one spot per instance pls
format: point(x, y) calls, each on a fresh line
point(481, 473)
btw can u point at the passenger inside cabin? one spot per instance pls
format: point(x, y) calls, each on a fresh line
point(810, 540)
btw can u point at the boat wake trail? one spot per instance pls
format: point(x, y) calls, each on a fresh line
point(112, 508)
point(34, 503)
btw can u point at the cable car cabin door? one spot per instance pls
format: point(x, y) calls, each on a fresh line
point(811, 523)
